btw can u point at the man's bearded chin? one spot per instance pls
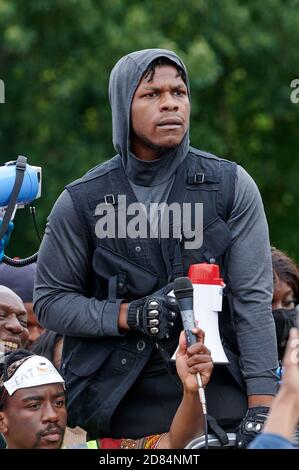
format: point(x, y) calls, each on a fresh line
point(40, 434)
point(37, 444)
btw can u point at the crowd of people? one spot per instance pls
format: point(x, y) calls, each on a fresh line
point(101, 288)
point(33, 412)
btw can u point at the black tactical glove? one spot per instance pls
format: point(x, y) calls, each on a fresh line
point(154, 315)
point(251, 425)
point(295, 440)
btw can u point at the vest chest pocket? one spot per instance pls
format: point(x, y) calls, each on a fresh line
point(136, 280)
point(216, 239)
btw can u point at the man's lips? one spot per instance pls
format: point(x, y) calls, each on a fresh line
point(170, 122)
point(53, 435)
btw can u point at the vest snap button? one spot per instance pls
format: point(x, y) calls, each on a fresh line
point(141, 345)
point(212, 261)
point(120, 285)
point(138, 249)
point(124, 361)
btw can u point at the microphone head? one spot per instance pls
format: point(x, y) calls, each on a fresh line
point(182, 288)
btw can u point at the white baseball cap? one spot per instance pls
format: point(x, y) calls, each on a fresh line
point(36, 370)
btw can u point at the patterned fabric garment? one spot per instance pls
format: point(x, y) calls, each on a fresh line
point(149, 442)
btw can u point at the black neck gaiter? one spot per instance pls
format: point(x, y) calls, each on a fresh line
point(284, 321)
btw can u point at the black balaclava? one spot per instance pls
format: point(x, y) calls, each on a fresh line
point(124, 80)
point(284, 319)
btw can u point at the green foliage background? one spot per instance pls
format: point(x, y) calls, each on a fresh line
point(55, 60)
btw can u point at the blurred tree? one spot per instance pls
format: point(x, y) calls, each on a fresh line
point(56, 57)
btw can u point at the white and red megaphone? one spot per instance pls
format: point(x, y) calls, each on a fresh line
point(208, 291)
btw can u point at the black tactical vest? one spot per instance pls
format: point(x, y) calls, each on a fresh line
point(131, 268)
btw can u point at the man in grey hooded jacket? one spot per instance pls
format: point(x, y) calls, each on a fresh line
point(104, 288)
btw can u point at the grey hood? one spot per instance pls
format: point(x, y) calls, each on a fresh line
point(124, 80)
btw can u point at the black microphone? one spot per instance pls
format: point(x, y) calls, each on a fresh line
point(183, 291)
point(297, 316)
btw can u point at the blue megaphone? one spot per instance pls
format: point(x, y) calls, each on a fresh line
point(30, 189)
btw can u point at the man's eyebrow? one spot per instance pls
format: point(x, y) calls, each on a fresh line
point(59, 394)
point(179, 85)
point(153, 88)
point(33, 397)
point(40, 397)
point(173, 87)
point(9, 309)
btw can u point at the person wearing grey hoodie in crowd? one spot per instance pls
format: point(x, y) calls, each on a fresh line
point(117, 238)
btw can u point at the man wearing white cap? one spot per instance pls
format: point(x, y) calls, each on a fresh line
point(32, 402)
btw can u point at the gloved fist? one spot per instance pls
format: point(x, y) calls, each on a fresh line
point(154, 315)
point(251, 425)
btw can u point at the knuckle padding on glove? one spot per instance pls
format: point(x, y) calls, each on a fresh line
point(251, 425)
point(153, 315)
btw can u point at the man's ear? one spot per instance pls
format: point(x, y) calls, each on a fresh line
point(3, 423)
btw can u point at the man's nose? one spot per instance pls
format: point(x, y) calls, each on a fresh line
point(50, 414)
point(12, 324)
point(168, 103)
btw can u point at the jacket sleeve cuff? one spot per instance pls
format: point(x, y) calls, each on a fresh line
point(261, 386)
point(110, 318)
point(132, 318)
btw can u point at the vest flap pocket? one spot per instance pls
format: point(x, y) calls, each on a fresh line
point(88, 356)
point(107, 264)
point(216, 239)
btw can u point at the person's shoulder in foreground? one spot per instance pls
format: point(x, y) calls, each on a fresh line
point(270, 441)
